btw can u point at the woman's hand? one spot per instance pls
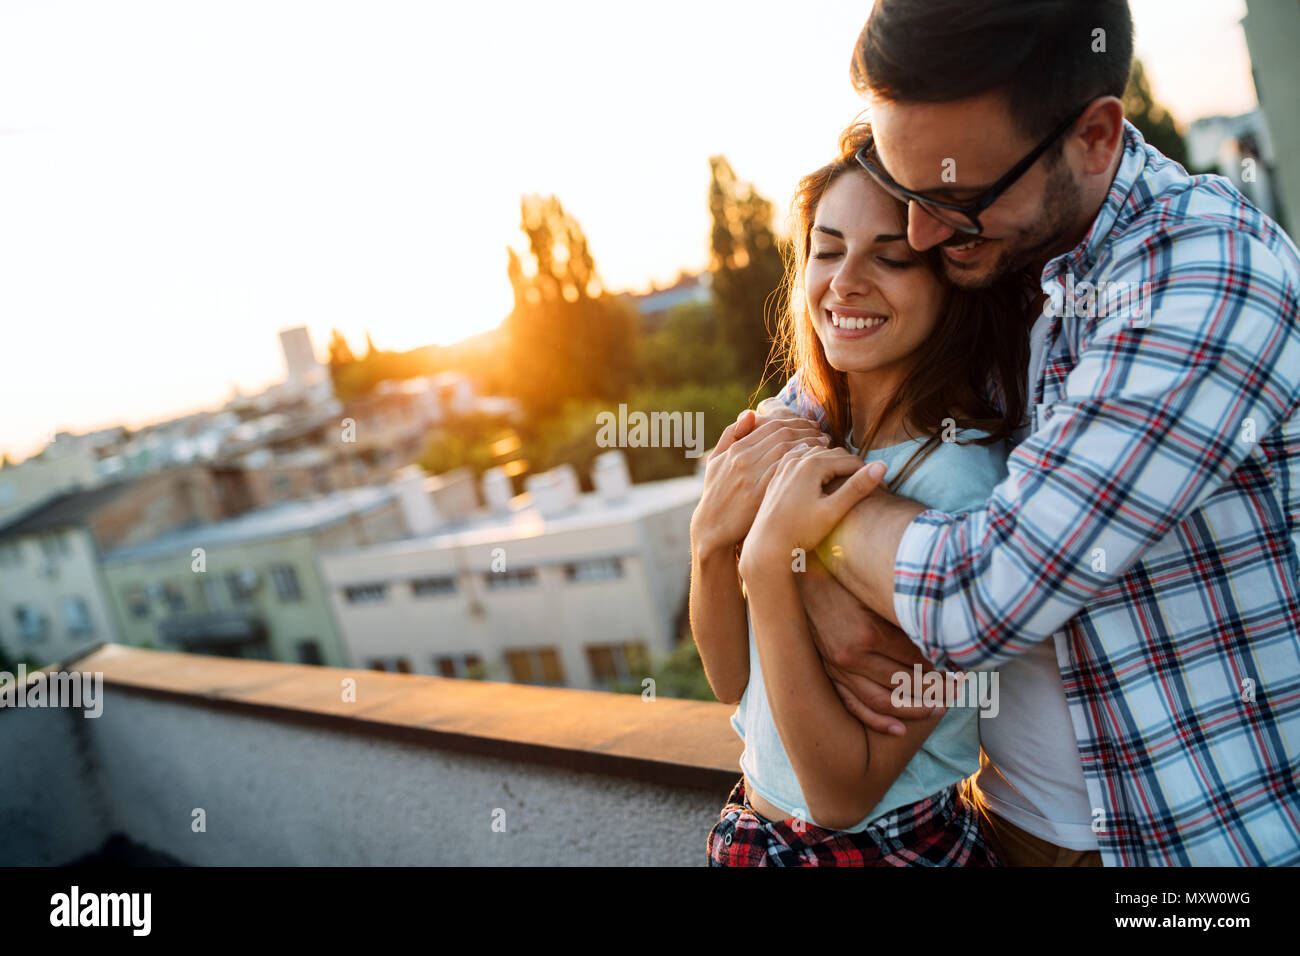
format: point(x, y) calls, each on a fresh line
point(737, 474)
point(797, 511)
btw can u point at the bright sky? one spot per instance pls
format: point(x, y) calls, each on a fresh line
point(181, 180)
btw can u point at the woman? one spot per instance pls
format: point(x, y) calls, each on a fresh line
point(887, 363)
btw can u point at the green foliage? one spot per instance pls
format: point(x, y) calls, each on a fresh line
point(680, 675)
point(464, 440)
point(570, 436)
point(1153, 120)
point(566, 337)
point(747, 269)
point(687, 349)
point(354, 378)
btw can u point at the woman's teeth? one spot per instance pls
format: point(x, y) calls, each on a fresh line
point(855, 322)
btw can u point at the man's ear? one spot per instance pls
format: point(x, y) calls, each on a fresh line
point(1100, 131)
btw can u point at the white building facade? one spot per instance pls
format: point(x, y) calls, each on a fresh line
point(579, 592)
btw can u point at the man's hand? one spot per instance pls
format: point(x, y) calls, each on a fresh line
point(860, 650)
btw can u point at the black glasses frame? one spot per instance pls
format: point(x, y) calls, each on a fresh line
point(971, 210)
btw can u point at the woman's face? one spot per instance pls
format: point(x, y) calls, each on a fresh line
point(871, 300)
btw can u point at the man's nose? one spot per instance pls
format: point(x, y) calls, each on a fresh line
point(923, 230)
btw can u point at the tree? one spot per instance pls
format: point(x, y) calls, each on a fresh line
point(1153, 120)
point(688, 349)
point(747, 268)
point(340, 361)
point(567, 338)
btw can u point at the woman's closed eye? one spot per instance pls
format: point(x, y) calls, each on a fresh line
point(891, 263)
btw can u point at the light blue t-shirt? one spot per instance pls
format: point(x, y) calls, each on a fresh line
point(952, 478)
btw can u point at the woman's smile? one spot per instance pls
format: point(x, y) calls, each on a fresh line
point(854, 323)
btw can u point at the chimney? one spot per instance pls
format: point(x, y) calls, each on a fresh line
point(555, 491)
point(610, 476)
point(417, 507)
point(497, 490)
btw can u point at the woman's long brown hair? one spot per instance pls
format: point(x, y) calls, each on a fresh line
point(979, 334)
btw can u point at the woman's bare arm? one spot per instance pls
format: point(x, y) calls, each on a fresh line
point(843, 768)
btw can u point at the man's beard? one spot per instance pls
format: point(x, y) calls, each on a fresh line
point(1061, 214)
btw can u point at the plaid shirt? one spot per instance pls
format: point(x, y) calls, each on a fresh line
point(1152, 519)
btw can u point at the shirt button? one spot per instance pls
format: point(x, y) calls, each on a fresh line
point(727, 839)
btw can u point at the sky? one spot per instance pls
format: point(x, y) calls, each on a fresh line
point(180, 180)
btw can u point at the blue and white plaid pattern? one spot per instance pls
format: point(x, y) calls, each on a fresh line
point(1152, 517)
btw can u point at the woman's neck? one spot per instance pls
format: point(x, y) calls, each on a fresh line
point(869, 393)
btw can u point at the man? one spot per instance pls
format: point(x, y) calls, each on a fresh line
point(1135, 579)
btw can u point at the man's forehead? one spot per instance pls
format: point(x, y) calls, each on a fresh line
point(945, 145)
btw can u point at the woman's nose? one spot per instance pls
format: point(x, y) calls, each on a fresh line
point(849, 280)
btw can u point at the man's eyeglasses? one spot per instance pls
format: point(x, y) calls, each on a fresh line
point(964, 216)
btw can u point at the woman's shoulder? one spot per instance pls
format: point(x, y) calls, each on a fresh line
point(957, 475)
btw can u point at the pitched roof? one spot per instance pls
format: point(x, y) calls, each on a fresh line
point(68, 508)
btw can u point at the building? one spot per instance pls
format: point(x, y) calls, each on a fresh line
point(1239, 148)
point(1272, 28)
point(300, 360)
point(552, 587)
point(687, 289)
point(67, 463)
point(53, 602)
point(247, 586)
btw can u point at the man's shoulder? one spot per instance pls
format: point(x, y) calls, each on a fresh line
point(1177, 219)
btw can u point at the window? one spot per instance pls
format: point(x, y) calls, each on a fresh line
point(459, 665)
point(365, 593)
point(32, 624)
point(286, 582)
point(76, 617)
point(597, 569)
point(396, 665)
point(212, 593)
point(240, 585)
point(617, 661)
point(11, 555)
point(282, 486)
point(308, 652)
point(535, 665)
point(137, 602)
point(433, 587)
point(55, 545)
point(500, 580)
point(174, 595)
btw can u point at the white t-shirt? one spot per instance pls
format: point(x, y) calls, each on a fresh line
point(1030, 771)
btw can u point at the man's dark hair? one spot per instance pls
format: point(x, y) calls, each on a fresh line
point(1039, 53)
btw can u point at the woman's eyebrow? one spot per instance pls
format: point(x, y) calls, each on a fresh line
point(883, 237)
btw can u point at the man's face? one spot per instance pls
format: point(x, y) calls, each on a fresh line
point(953, 152)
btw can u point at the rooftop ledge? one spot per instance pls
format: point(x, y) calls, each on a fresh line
point(286, 769)
point(680, 743)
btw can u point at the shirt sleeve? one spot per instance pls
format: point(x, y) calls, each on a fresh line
point(799, 400)
point(1157, 413)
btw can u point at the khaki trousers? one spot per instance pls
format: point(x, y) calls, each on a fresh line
point(1015, 847)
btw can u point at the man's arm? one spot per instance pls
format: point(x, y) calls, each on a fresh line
point(1151, 424)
